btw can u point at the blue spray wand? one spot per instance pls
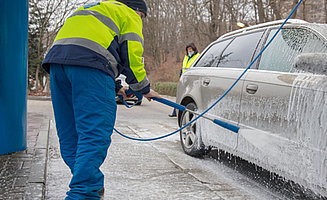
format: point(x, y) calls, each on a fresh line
point(182, 108)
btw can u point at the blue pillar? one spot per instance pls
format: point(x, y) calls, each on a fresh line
point(13, 75)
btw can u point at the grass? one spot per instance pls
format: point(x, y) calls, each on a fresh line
point(165, 88)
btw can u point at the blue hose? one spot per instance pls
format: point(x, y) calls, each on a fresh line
point(231, 87)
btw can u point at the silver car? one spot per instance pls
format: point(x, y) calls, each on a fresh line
point(282, 111)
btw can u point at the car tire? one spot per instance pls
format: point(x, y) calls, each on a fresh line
point(190, 140)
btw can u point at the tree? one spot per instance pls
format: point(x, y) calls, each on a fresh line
point(294, 4)
point(275, 7)
point(258, 4)
point(45, 19)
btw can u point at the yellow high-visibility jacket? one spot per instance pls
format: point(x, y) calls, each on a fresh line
point(187, 62)
point(103, 35)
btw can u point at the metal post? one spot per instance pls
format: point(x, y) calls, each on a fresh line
point(13, 75)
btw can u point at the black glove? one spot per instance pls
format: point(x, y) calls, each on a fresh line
point(118, 85)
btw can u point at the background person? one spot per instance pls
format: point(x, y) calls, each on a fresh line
point(97, 43)
point(191, 55)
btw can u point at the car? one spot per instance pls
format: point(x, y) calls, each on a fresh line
point(130, 99)
point(281, 110)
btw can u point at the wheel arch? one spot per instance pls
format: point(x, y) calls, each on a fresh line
point(186, 100)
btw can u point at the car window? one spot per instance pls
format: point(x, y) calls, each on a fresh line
point(240, 52)
point(289, 43)
point(212, 55)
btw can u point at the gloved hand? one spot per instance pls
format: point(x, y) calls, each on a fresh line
point(122, 93)
point(152, 93)
point(118, 85)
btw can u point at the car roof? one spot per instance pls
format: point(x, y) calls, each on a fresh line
point(321, 28)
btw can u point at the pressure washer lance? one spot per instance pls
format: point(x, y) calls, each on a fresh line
point(182, 108)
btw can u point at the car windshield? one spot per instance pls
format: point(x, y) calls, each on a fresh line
point(212, 55)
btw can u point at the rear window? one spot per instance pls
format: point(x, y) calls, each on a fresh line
point(289, 43)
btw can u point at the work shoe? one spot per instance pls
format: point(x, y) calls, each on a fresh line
point(101, 193)
point(173, 114)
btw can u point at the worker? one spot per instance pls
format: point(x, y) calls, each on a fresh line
point(191, 55)
point(98, 42)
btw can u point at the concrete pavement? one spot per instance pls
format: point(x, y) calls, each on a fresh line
point(23, 174)
point(150, 170)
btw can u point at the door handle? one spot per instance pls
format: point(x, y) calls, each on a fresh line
point(251, 88)
point(206, 82)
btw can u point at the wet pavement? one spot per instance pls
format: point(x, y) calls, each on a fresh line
point(153, 170)
point(23, 174)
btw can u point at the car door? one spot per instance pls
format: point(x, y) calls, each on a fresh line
point(217, 79)
point(270, 106)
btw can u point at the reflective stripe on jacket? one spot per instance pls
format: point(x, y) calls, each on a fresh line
point(188, 62)
point(104, 35)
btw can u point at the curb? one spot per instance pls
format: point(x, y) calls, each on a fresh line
point(38, 173)
point(40, 98)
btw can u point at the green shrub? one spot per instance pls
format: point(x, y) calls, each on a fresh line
point(165, 88)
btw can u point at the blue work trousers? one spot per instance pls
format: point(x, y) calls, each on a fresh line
point(85, 112)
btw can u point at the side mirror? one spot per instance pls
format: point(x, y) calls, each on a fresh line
point(311, 62)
